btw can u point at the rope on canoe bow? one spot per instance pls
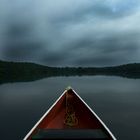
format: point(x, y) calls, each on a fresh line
point(70, 118)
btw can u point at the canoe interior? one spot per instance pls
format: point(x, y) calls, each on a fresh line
point(70, 134)
point(70, 118)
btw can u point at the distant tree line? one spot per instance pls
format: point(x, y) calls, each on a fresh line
point(21, 71)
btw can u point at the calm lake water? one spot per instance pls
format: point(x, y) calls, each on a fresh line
point(116, 100)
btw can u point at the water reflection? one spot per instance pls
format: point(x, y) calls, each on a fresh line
point(114, 99)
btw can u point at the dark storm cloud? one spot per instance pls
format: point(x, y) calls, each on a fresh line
point(109, 51)
point(69, 32)
point(16, 30)
point(55, 59)
point(20, 43)
point(21, 50)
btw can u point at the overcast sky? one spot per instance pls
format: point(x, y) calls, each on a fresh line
point(70, 32)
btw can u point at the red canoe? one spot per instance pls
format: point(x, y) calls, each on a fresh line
point(70, 118)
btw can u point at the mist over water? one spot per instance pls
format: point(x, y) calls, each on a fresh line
point(114, 99)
